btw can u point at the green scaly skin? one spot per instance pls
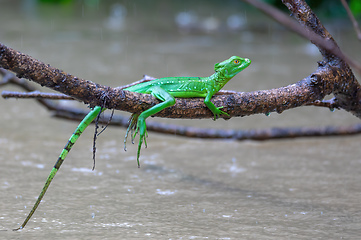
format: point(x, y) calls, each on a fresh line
point(164, 89)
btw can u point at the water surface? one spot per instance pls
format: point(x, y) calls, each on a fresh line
point(305, 188)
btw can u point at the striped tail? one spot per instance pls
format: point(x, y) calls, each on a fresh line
point(78, 131)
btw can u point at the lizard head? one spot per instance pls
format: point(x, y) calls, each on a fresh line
point(232, 66)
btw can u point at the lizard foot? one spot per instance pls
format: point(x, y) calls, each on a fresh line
point(136, 125)
point(131, 127)
point(218, 112)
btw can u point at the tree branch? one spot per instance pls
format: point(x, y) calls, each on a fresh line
point(333, 76)
point(308, 90)
point(78, 114)
point(346, 89)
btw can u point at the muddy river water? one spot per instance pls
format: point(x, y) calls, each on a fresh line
point(306, 188)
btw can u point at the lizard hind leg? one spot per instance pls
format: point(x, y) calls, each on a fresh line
point(141, 127)
point(139, 124)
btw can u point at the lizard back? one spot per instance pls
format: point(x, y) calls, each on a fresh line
point(176, 86)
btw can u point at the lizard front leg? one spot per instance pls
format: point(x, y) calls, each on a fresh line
point(215, 110)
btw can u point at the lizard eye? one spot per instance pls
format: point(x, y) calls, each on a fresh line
point(236, 61)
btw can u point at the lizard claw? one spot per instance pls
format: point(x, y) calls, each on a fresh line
point(218, 113)
point(132, 125)
point(136, 125)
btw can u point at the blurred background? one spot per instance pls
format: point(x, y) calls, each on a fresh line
point(186, 188)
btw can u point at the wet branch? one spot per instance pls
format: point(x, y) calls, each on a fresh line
point(78, 114)
point(333, 76)
point(314, 87)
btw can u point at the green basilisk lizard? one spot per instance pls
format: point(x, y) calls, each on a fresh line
point(166, 90)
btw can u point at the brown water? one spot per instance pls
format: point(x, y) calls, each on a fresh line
point(186, 188)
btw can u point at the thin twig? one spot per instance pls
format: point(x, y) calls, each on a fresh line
point(10, 78)
point(327, 44)
point(36, 94)
point(95, 136)
point(331, 104)
point(108, 123)
point(352, 18)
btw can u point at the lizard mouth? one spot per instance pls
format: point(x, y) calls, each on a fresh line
point(246, 63)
